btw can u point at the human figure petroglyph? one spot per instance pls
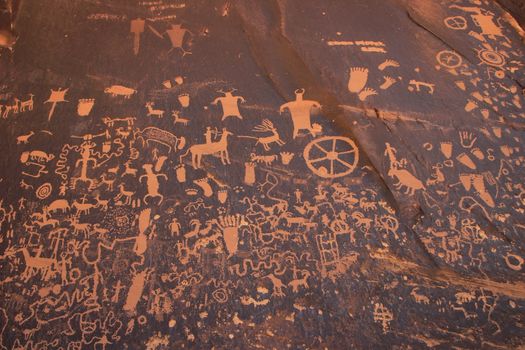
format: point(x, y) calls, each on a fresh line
point(229, 103)
point(86, 154)
point(152, 182)
point(223, 248)
point(176, 35)
point(300, 111)
point(5, 214)
point(298, 196)
point(174, 227)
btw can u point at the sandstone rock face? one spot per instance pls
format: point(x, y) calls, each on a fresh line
point(241, 174)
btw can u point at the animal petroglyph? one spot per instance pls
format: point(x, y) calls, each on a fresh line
point(164, 209)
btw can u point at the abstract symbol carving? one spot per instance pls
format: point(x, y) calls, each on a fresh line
point(492, 58)
point(456, 22)
point(449, 59)
point(44, 191)
point(56, 97)
point(331, 156)
point(220, 295)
